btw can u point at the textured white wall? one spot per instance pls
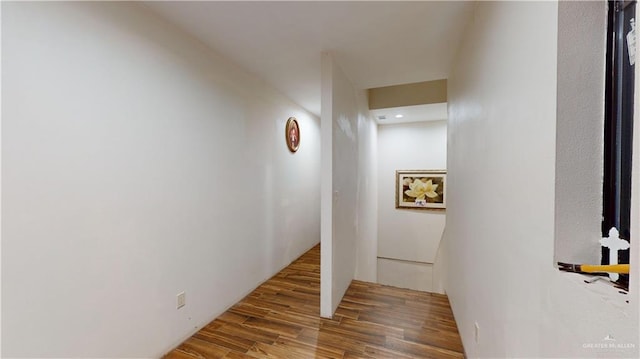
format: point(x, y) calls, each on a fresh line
point(634, 257)
point(499, 241)
point(137, 164)
point(580, 126)
point(410, 236)
point(402, 274)
point(348, 217)
point(367, 227)
point(327, 306)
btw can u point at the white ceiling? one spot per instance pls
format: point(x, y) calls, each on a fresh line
point(418, 113)
point(376, 43)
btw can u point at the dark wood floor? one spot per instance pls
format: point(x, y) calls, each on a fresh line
point(280, 319)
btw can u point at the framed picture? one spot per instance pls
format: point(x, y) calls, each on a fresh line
point(426, 189)
point(292, 134)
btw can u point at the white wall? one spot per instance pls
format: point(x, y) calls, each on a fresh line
point(634, 255)
point(327, 306)
point(410, 236)
point(348, 217)
point(499, 242)
point(367, 224)
point(137, 164)
point(406, 274)
point(580, 127)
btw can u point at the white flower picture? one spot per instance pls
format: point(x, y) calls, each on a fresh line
point(420, 189)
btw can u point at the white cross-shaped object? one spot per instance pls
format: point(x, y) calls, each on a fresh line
point(615, 244)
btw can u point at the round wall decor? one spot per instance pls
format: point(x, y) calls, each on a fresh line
point(292, 134)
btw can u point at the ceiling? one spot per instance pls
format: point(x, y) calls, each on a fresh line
point(375, 43)
point(417, 113)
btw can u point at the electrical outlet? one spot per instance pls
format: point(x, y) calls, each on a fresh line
point(477, 332)
point(181, 300)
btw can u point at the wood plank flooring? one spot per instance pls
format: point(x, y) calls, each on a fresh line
point(280, 319)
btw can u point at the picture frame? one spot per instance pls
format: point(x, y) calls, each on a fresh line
point(421, 189)
point(292, 134)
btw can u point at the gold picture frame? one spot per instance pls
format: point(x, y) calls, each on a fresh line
point(421, 189)
point(292, 134)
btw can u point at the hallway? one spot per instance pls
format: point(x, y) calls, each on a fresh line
point(280, 319)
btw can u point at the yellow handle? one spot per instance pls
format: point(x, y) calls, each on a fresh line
point(613, 268)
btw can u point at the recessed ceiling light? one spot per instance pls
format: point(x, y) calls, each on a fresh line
point(399, 116)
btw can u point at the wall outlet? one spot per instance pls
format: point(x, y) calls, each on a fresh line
point(476, 333)
point(181, 300)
